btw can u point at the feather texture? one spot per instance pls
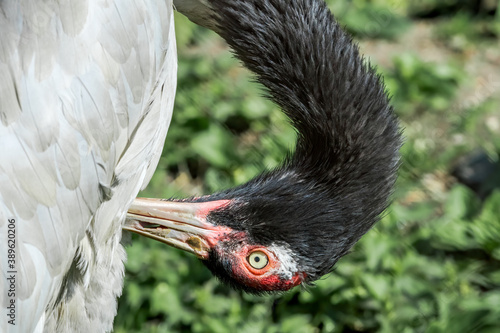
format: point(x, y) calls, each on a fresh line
point(86, 97)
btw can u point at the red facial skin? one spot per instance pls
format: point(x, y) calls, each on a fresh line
point(217, 232)
point(264, 279)
point(190, 231)
point(209, 206)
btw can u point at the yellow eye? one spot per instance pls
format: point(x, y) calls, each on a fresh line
point(258, 259)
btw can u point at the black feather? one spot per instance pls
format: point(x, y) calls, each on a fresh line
point(326, 195)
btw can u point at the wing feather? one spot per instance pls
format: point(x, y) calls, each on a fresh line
point(86, 97)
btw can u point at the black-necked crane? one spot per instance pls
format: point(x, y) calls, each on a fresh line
point(87, 91)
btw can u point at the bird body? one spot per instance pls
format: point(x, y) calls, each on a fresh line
point(86, 94)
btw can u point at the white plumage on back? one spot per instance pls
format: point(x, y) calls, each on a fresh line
point(86, 94)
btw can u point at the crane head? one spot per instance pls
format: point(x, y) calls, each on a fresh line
point(233, 255)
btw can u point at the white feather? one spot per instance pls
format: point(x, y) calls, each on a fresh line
point(86, 96)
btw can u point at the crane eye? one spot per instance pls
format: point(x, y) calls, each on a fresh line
point(258, 259)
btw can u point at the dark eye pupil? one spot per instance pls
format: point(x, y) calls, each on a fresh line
point(257, 259)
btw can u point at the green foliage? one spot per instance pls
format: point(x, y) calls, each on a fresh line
point(418, 85)
point(462, 31)
point(434, 8)
point(371, 19)
point(431, 265)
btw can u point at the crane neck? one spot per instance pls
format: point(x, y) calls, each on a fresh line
point(312, 69)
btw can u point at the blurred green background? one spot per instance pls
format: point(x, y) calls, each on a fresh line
point(431, 265)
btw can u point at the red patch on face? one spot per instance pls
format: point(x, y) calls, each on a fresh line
point(217, 232)
point(264, 279)
point(266, 282)
point(273, 282)
point(207, 207)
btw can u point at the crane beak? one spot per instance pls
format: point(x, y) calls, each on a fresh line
point(179, 224)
